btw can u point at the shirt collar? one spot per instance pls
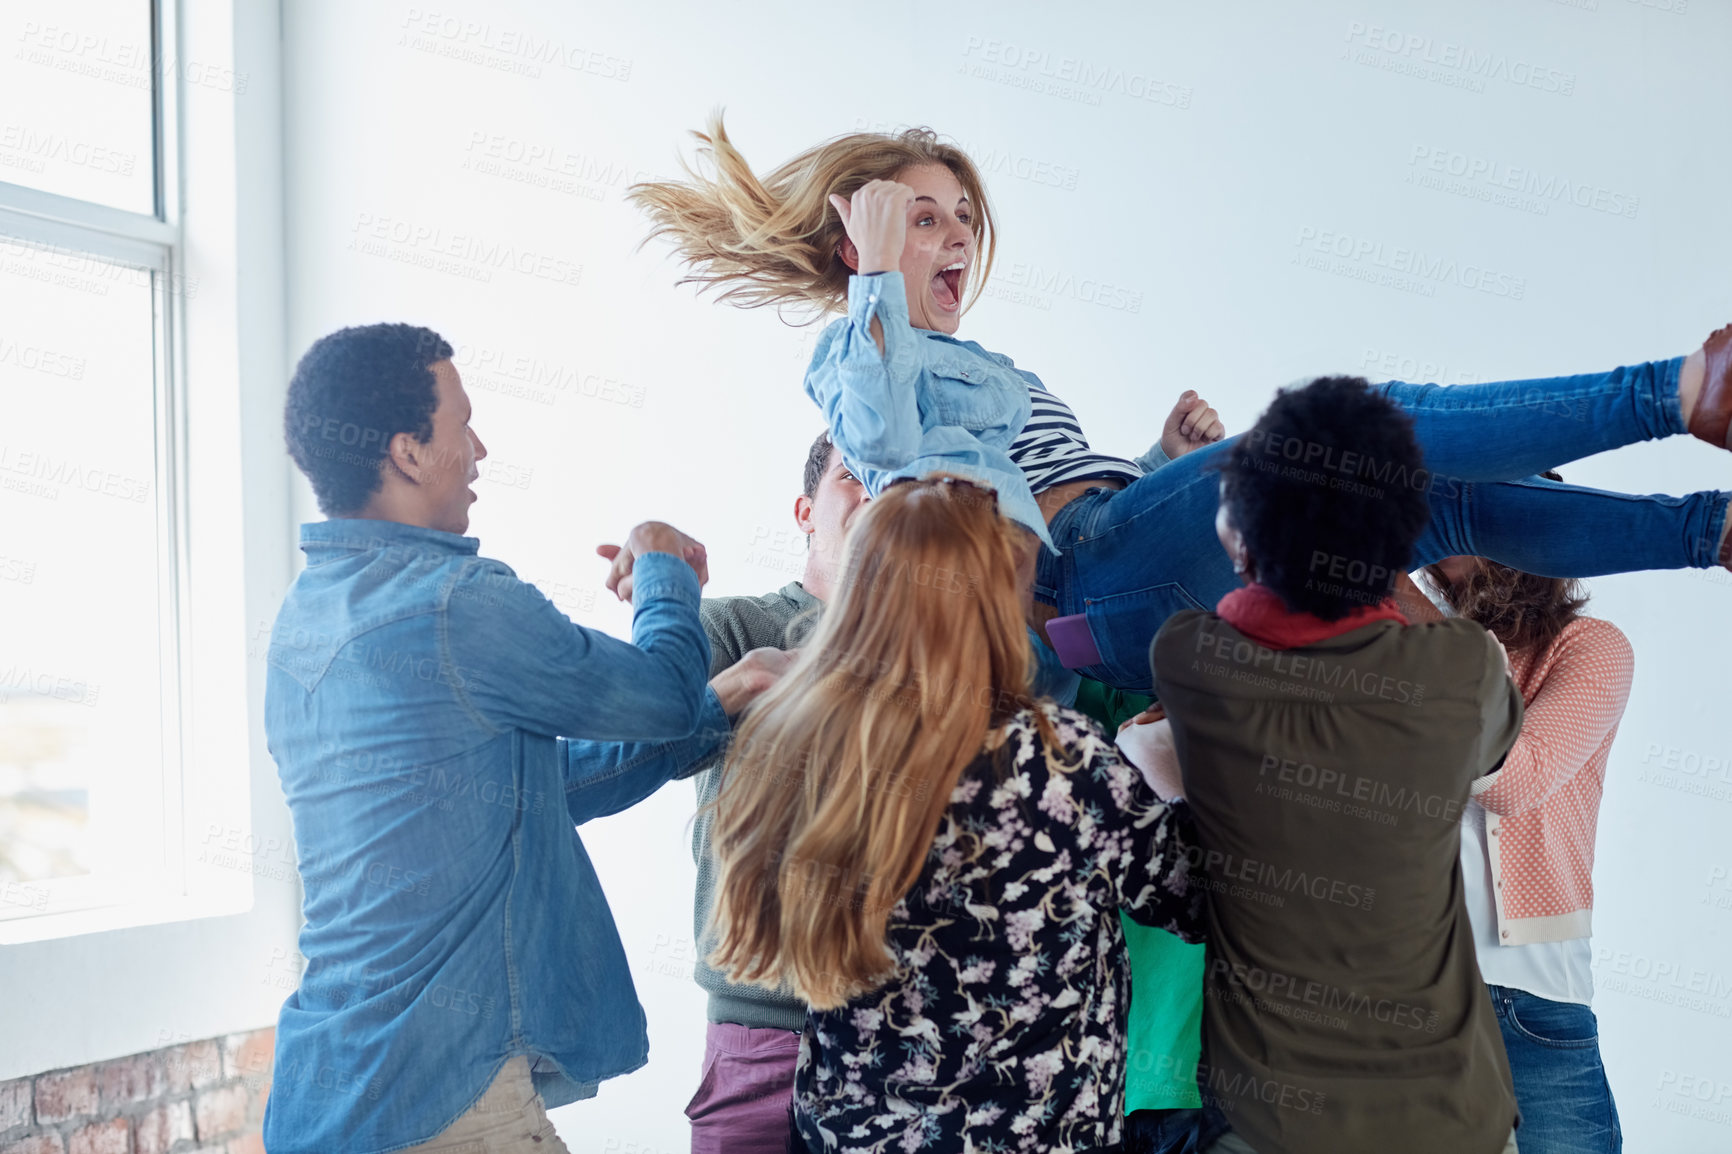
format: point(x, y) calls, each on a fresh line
point(796, 592)
point(1258, 612)
point(327, 540)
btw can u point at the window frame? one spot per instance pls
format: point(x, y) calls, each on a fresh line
point(152, 244)
point(211, 961)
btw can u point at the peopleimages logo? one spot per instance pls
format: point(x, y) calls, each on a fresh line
point(1234, 655)
point(1386, 363)
point(1457, 65)
point(1048, 283)
point(546, 164)
point(1222, 868)
point(40, 360)
point(22, 681)
point(504, 48)
point(1663, 980)
point(45, 146)
point(1370, 259)
point(1270, 989)
point(993, 161)
point(517, 372)
point(459, 253)
point(1320, 781)
point(52, 473)
point(1065, 77)
point(1315, 454)
point(1487, 178)
point(81, 272)
point(123, 62)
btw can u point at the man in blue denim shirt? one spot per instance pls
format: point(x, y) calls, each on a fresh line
point(462, 965)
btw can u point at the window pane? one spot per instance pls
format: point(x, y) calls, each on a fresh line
point(76, 101)
point(81, 672)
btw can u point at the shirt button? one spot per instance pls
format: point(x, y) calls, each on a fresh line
point(1504, 934)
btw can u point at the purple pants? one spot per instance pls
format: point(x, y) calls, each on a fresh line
point(741, 1106)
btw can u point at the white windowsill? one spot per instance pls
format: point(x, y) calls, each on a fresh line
point(118, 912)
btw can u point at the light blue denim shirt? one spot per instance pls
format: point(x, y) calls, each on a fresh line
point(929, 403)
point(415, 702)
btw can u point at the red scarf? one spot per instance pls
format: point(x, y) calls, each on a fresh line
point(1258, 612)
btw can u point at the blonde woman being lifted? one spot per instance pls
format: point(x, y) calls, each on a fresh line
point(895, 232)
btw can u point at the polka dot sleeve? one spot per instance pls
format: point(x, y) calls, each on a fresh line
point(1576, 691)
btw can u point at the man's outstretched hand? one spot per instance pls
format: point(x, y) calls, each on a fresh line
point(651, 537)
point(1146, 741)
point(740, 683)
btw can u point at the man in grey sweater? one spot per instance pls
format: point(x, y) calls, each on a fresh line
point(741, 1105)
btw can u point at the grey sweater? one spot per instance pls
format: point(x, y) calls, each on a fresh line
point(780, 620)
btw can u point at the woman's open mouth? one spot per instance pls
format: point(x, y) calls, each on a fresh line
point(947, 287)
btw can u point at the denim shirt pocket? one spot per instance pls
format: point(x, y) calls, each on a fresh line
point(972, 394)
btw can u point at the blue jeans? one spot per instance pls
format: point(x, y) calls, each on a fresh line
point(1173, 1131)
point(1134, 556)
point(1051, 678)
point(1560, 1084)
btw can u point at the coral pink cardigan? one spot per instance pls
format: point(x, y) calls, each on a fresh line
point(1543, 805)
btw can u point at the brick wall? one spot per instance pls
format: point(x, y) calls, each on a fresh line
point(204, 1097)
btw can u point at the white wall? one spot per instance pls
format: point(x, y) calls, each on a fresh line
point(1225, 135)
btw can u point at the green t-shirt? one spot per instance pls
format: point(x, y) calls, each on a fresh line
point(1164, 1040)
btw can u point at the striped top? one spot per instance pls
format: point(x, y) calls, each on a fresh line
point(1051, 449)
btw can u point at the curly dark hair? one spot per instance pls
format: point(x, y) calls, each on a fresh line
point(353, 391)
point(1522, 610)
point(1329, 490)
point(817, 460)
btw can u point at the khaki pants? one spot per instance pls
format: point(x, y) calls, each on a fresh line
point(1231, 1143)
point(509, 1119)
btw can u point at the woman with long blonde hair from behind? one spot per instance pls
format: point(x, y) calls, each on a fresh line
point(914, 845)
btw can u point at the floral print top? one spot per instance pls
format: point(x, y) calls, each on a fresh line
point(1003, 1027)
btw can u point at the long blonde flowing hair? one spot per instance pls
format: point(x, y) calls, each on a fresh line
point(777, 240)
point(838, 776)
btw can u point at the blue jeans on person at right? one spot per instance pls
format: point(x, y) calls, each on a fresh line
point(1132, 557)
point(1560, 1083)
